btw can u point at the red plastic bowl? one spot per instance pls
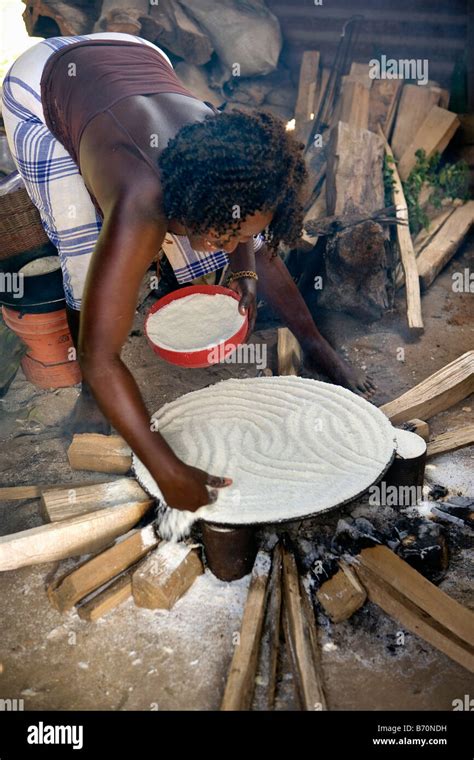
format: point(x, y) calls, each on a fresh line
point(196, 358)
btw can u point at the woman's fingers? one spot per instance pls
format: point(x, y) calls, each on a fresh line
point(216, 482)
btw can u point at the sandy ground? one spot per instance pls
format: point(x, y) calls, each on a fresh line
point(159, 660)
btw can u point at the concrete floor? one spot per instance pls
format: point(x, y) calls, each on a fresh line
point(157, 660)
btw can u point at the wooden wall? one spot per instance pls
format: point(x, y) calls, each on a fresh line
point(428, 29)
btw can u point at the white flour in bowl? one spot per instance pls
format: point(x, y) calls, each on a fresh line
point(292, 446)
point(195, 322)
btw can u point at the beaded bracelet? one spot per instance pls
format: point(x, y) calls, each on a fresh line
point(241, 275)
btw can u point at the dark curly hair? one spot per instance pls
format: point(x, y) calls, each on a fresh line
point(235, 161)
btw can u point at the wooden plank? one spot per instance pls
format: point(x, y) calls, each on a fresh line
point(420, 427)
point(445, 610)
point(433, 136)
point(289, 352)
point(405, 247)
point(241, 677)
point(438, 392)
point(100, 453)
point(451, 440)
point(108, 599)
point(19, 493)
point(270, 642)
point(165, 576)
point(383, 100)
point(341, 595)
point(67, 591)
point(302, 638)
point(416, 101)
point(61, 504)
point(355, 104)
point(307, 89)
point(445, 243)
point(69, 538)
point(414, 619)
point(424, 237)
point(361, 73)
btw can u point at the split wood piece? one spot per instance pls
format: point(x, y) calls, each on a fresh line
point(425, 237)
point(438, 392)
point(166, 575)
point(341, 595)
point(18, 493)
point(392, 601)
point(301, 637)
point(355, 104)
point(270, 642)
point(307, 88)
point(361, 73)
point(416, 101)
point(383, 100)
point(357, 255)
point(397, 573)
point(354, 177)
point(70, 502)
point(66, 592)
point(445, 243)
point(241, 677)
point(451, 440)
point(433, 136)
point(69, 538)
point(419, 427)
point(103, 602)
point(100, 453)
point(289, 352)
point(405, 247)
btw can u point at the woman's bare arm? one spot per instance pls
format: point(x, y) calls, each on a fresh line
point(131, 236)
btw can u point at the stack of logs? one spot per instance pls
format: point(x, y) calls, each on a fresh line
point(366, 119)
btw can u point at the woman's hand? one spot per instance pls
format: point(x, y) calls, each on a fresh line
point(190, 488)
point(246, 287)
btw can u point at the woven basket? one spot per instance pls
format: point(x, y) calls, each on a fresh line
point(20, 224)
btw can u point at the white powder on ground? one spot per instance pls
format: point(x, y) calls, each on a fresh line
point(195, 322)
point(293, 447)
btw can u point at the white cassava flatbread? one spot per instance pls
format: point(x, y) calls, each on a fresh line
point(292, 446)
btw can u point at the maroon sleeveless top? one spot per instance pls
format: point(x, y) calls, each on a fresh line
point(86, 78)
